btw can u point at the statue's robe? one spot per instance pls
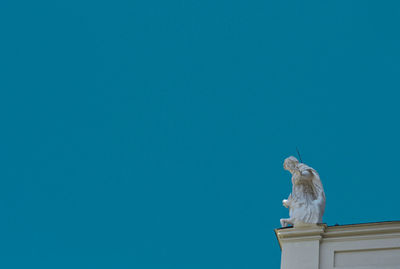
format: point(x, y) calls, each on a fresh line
point(307, 200)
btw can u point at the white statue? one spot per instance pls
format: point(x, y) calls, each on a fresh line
point(307, 201)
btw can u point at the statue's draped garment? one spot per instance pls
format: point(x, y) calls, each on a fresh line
point(307, 200)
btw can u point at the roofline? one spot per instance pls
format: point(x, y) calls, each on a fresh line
point(334, 230)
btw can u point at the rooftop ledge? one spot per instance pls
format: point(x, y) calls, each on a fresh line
point(323, 232)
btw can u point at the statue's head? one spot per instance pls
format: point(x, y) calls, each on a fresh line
point(290, 163)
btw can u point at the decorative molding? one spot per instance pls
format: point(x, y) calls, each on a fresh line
point(308, 232)
point(363, 229)
point(352, 232)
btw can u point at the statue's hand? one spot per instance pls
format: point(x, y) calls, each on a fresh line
point(285, 203)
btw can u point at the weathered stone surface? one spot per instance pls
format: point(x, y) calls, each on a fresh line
point(306, 203)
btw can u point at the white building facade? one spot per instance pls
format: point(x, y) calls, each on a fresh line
point(357, 246)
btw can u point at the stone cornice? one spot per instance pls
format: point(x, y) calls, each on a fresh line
point(340, 232)
point(301, 233)
point(363, 231)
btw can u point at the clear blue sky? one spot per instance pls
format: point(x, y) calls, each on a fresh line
point(151, 134)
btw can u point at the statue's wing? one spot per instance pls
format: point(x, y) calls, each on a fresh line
point(316, 185)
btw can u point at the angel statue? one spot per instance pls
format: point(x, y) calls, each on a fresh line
point(306, 203)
